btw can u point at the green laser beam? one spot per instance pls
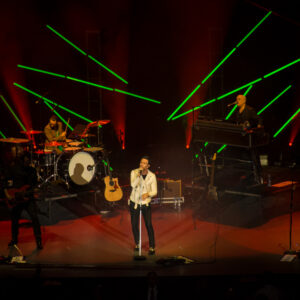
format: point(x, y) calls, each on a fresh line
point(282, 68)
point(217, 67)
point(254, 28)
point(238, 89)
point(286, 123)
point(13, 113)
point(106, 164)
point(272, 101)
point(184, 101)
point(66, 40)
point(52, 102)
point(248, 90)
point(1, 133)
point(221, 148)
point(207, 102)
point(223, 60)
point(41, 71)
point(231, 112)
point(88, 83)
point(107, 69)
point(137, 96)
point(84, 53)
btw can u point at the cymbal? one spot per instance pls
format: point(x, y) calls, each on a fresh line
point(32, 132)
point(93, 149)
point(53, 144)
point(87, 135)
point(99, 122)
point(14, 140)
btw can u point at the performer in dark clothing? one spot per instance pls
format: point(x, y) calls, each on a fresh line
point(246, 115)
point(21, 180)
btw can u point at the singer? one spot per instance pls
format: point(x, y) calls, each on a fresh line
point(246, 114)
point(144, 187)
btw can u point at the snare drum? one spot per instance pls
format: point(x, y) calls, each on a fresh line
point(75, 144)
point(81, 168)
point(72, 149)
point(45, 158)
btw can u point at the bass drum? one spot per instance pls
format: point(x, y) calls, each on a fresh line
point(81, 168)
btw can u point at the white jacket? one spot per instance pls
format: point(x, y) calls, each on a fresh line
point(149, 185)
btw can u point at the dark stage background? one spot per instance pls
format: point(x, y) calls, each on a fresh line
point(164, 49)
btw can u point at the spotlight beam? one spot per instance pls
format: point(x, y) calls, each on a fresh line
point(237, 89)
point(13, 113)
point(89, 56)
point(286, 123)
point(88, 83)
point(222, 61)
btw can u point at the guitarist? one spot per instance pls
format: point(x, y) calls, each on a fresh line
point(21, 180)
point(142, 178)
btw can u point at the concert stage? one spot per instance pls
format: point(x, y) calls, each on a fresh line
point(89, 243)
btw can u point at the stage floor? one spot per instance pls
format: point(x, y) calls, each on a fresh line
point(235, 246)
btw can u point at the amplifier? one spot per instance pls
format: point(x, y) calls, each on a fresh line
point(168, 188)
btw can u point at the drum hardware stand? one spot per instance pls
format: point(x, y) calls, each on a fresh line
point(54, 175)
point(290, 255)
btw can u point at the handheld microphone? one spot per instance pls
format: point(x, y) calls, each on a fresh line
point(230, 104)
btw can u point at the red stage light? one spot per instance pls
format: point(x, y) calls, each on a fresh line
point(187, 146)
point(290, 144)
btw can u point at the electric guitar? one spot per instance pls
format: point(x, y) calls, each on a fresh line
point(15, 196)
point(212, 191)
point(112, 192)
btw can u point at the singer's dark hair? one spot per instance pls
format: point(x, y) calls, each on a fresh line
point(146, 157)
point(54, 118)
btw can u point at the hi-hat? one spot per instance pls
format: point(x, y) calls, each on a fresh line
point(53, 144)
point(14, 140)
point(32, 132)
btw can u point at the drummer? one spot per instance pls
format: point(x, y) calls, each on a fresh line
point(54, 133)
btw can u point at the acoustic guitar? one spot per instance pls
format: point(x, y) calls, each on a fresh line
point(113, 191)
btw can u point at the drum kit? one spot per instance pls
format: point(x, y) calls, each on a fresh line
point(72, 160)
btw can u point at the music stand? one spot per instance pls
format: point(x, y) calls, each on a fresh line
point(77, 132)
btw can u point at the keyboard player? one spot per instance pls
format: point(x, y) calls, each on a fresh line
point(245, 114)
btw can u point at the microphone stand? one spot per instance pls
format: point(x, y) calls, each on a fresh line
point(140, 256)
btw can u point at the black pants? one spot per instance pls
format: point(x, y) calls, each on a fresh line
point(30, 207)
point(146, 212)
